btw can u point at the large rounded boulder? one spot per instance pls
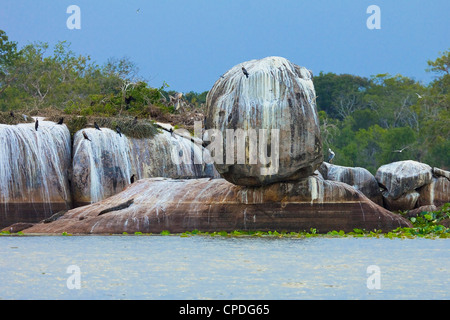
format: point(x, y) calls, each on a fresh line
point(264, 111)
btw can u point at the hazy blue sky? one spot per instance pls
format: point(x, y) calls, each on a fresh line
point(190, 43)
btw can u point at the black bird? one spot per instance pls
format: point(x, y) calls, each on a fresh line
point(86, 136)
point(135, 121)
point(245, 72)
point(118, 131)
point(96, 126)
point(61, 120)
point(132, 179)
point(36, 125)
point(11, 114)
point(172, 133)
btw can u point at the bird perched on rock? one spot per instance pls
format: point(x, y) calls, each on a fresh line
point(36, 125)
point(61, 120)
point(331, 157)
point(86, 136)
point(245, 71)
point(132, 178)
point(172, 133)
point(96, 126)
point(118, 131)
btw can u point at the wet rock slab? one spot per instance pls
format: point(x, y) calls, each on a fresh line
point(216, 205)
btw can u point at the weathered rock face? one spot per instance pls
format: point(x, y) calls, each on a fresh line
point(410, 184)
point(436, 193)
point(406, 201)
point(403, 176)
point(277, 96)
point(153, 205)
point(104, 166)
point(359, 178)
point(33, 171)
point(441, 173)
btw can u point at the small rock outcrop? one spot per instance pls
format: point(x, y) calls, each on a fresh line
point(359, 178)
point(435, 193)
point(279, 97)
point(400, 180)
point(403, 176)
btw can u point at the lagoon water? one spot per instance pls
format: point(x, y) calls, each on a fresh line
point(203, 267)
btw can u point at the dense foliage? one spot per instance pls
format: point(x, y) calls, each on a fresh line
point(365, 121)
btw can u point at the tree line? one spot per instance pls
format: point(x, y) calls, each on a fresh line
point(367, 122)
point(372, 121)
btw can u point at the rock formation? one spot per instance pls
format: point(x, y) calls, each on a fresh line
point(436, 193)
point(103, 167)
point(154, 205)
point(359, 178)
point(279, 97)
point(34, 169)
point(406, 201)
point(271, 181)
point(400, 179)
point(411, 184)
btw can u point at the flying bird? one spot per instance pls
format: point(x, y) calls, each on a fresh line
point(36, 125)
point(86, 136)
point(118, 131)
point(61, 120)
point(419, 96)
point(96, 126)
point(401, 150)
point(331, 157)
point(245, 71)
point(138, 10)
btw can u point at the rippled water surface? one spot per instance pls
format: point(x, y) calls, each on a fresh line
point(173, 267)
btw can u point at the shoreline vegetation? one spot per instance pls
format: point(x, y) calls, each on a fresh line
point(427, 225)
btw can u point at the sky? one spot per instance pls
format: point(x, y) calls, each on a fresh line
point(189, 44)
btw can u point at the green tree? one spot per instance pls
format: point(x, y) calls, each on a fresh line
point(339, 95)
